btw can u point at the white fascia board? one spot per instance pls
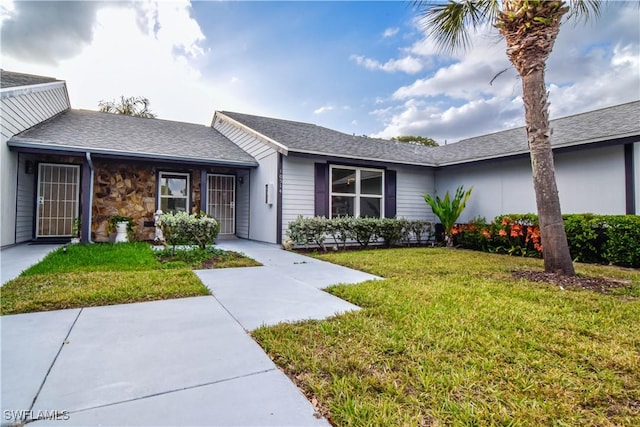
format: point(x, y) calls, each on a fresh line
point(279, 147)
point(10, 92)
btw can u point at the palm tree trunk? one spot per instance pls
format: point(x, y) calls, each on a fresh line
point(530, 30)
point(555, 250)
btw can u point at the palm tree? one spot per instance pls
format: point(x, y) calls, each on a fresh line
point(137, 106)
point(530, 28)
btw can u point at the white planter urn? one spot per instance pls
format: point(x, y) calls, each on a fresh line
point(121, 232)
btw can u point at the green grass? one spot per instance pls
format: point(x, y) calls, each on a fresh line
point(99, 257)
point(106, 274)
point(450, 338)
point(208, 258)
point(85, 289)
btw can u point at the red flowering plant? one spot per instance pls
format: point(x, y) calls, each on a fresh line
point(506, 234)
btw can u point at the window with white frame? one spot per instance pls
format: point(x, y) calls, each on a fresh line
point(173, 192)
point(356, 192)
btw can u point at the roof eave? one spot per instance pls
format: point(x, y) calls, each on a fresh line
point(327, 154)
point(12, 91)
point(278, 146)
point(554, 147)
point(36, 145)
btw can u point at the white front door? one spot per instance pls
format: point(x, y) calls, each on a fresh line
point(221, 201)
point(58, 199)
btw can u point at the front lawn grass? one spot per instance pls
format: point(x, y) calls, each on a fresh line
point(451, 338)
point(104, 274)
point(197, 258)
point(86, 289)
point(134, 256)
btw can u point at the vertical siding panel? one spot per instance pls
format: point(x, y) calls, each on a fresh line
point(412, 184)
point(298, 196)
point(262, 223)
point(21, 111)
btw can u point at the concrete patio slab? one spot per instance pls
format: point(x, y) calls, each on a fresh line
point(263, 399)
point(30, 344)
point(15, 259)
point(132, 351)
point(258, 296)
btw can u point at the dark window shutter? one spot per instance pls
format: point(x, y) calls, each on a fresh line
point(390, 194)
point(322, 189)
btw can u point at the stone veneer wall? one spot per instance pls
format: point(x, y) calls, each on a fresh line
point(129, 189)
point(124, 190)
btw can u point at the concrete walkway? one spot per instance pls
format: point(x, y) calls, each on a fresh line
point(15, 259)
point(177, 362)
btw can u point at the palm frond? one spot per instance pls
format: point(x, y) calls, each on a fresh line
point(583, 10)
point(449, 23)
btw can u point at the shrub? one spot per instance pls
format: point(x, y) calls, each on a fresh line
point(182, 228)
point(309, 230)
point(609, 239)
point(583, 237)
point(421, 230)
point(507, 234)
point(392, 230)
point(622, 246)
point(341, 229)
point(305, 231)
point(365, 230)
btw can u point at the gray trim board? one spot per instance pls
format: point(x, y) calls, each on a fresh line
point(279, 201)
point(629, 180)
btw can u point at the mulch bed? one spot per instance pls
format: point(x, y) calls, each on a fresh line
point(597, 284)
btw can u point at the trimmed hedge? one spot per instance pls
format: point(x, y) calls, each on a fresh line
point(182, 228)
point(342, 230)
point(604, 239)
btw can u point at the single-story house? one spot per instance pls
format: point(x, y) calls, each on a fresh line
point(256, 174)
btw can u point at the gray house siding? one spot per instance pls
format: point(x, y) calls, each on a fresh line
point(298, 196)
point(412, 184)
point(256, 220)
point(589, 181)
point(20, 109)
point(25, 200)
point(243, 204)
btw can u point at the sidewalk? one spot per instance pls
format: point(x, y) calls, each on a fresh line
point(175, 362)
point(15, 259)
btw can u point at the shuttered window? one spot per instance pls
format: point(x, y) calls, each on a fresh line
point(356, 192)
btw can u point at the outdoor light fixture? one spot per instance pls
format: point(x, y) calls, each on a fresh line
point(240, 180)
point(28, 167)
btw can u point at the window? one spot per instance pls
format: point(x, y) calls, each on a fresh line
point(356, 192)
point(173, 189)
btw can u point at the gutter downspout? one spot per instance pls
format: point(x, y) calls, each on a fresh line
point(89, 208)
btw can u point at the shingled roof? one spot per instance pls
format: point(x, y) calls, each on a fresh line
point(11, 79)
point(606, 124)
point(308, 138)
point(591, 127)
point(119, 135)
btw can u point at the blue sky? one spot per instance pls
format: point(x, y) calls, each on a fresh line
point(358, 67)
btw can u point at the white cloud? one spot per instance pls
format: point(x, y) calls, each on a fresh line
point(323, 109)
point(331, 107)
point(152, 51)
point(390, 32)
point(408, 64)
point(587, 70)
